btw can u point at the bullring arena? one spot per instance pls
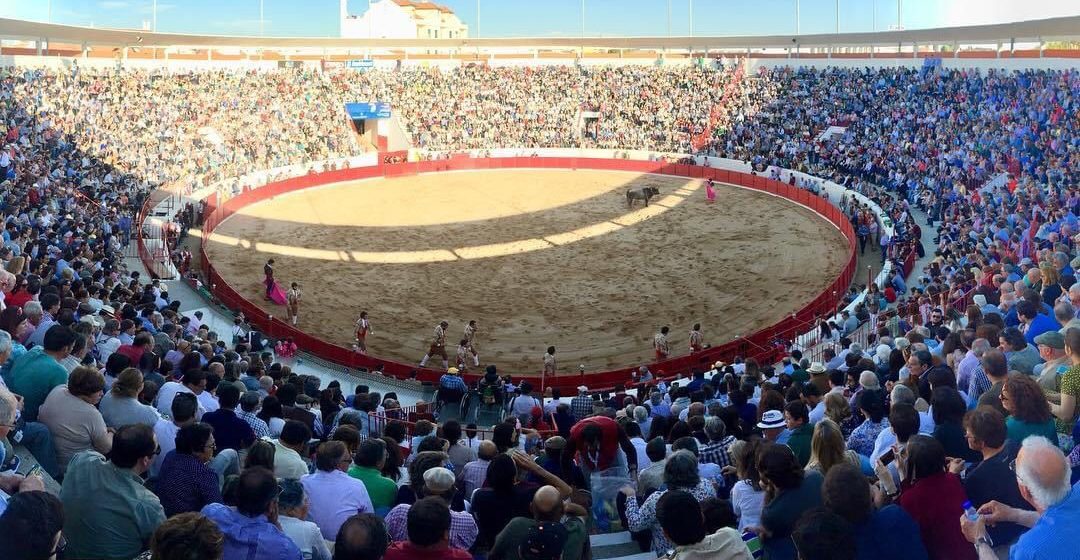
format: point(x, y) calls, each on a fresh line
point(537, 257)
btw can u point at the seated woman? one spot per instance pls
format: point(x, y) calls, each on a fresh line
point(680, 473)
point(790, 491)
point(185, 482)
point(827, 448)
point(121, 406)
point(886, 533)
point(1029, 411)
point(934, 498)
point(70, 414)
point(503, 497)
point(949, 408)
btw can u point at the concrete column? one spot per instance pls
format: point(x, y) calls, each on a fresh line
point(1042, 47)
point(38, 46)
point(997, 51)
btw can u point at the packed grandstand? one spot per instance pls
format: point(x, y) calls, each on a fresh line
point(936, 417)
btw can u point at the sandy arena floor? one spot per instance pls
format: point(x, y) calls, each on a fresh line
point(539, 257)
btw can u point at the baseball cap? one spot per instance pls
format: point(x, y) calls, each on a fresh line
point(545, 541)
point(771, 419)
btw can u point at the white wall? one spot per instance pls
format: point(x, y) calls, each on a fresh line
point(949, 63)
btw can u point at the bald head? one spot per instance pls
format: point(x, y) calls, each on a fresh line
point(547, 504)
point(1043, 473)
point(487, 450)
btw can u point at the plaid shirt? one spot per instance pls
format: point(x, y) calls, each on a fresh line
point(716, 452)
point(448, 381)
point(473, 475)
point(581, 406)
point(257, 424)
point(463, 528)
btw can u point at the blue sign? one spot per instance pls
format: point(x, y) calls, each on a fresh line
point(375, 110)
point(362, 64)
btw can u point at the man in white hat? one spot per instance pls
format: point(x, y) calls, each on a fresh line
point(772, 425)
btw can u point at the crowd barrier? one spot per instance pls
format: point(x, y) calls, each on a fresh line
point(766, 345)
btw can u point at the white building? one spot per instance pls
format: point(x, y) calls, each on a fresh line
point(402, 19)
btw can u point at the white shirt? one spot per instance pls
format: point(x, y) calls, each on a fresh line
point(817, 414)
point(307, 537)
point(643, 461)
point(747, 504)
point(287, 463)
point(168, 392)
point(207, 402)
point(165, 432)
point(335, 497)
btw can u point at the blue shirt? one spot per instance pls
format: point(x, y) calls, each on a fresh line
point(186, 484)
point(448, 381)
point(230, 431)
point(889, 534)
point(1051, 537)
point(1040, 324)
point(251, 538)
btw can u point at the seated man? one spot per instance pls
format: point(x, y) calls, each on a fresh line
point(547, 508)
point(362, 537)
point(108, 513)
point(680, 517)
point(429, 534)
point(251, 530)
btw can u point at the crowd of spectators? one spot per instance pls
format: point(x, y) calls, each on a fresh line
point(940, 424)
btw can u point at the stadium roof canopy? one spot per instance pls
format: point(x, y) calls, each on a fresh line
point(1045, 29)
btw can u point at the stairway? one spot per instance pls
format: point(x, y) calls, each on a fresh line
point(617, 546)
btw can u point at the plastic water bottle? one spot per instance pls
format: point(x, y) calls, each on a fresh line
point(970, 511)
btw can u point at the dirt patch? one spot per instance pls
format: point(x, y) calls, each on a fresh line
point(537, 257)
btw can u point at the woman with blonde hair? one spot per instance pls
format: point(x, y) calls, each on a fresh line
point(121, 406)
point(828, 448)
point(838, 410)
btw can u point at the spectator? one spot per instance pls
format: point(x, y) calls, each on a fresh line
point(474, 473)
point(334, 495)
point(362, 537)
point(991, 479)
point(437, 482)
point(651, 478)
point(949, 408)
point(933, 497)
point(108, 513)
point(37, 372)
point(827, 448)
point(789, 492)
point(72, 417)
point(185, 482)
point(716, 450)
point(293, 508)
point(272, 414)
point(547, 507)
point(680, 473)
point(288, 461)
point(747, 495)
point(1021, 356)
point(872, 408)
point(599, 444)
point(503, 498)
point(186, 536)
point(1043, 474)
point(368, 462)
point(429, 530)
point(121, 406)
point(30, 527)
point(1028, 410)
point(821, 535)
point(887, 533)
point(165, 430)
point(682, 522)
point(249, 402)
point(231, 432)
point(802, 431)
point(460, 452)
point(194, 382)
point(251, 529)
point(1067, 410)
point(994, 370)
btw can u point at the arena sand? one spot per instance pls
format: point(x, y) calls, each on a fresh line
point(537, 257)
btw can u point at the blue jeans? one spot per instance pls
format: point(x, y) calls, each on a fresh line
point(38, 441)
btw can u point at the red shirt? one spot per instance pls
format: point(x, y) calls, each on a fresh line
point(936, 504)
point(406, 551)
point(134, 353)
point(609, 442)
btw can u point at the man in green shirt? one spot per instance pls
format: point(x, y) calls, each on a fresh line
point(367, 468)
point(38, 371)
point(547, 506)
point(108, 513)
point(797, 419)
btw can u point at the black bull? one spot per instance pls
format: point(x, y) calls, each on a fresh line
point(644, 193)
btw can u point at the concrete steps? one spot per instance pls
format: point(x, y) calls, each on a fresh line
point(617, 546)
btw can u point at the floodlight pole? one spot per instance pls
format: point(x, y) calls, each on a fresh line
point(669, 18)
point(899, 15)
point(837, 17)
point(582, 19)
point(477, 19)
point(260, 18)
point(154, 24)
point(796, 17)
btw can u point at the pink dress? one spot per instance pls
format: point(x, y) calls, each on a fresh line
point(710, 192)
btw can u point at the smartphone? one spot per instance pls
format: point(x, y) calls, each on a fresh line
point(887, 457)
point(36, 470)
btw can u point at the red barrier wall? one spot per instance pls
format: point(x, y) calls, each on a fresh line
point(765, 345)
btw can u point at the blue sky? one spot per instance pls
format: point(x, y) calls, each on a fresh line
point(509, 18)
